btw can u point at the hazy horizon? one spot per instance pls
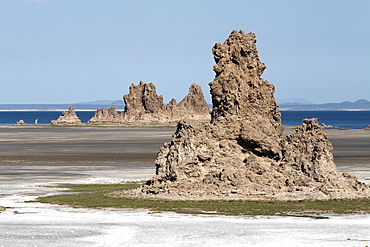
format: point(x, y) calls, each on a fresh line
point(60, 51)
point(111, 101)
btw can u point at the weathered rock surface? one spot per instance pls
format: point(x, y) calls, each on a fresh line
point(20, 123)
point(242, 153)
point(193, 106)
point(67, 118)
point(107, 117)
point(144, 107)
point(367, 128)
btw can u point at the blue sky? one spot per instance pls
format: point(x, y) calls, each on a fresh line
point(65, 51)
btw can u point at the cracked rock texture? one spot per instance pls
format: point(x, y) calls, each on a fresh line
point(67, 118)
point(242, 152)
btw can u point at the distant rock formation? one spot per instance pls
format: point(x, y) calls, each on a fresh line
point(107, 117)
point(329, 126)
point(242, 153)
point(67, 118)
point(192, 107)
point(367, 128)
point(21, 123)
point(144, 107)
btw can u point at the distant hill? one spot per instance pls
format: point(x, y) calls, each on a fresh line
point(358, 105)
point(81, 106)
point(294, 104)
point(295, 101)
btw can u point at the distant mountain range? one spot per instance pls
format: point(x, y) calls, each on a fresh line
point(296, 101)
point(304, 105)
point(294, 104)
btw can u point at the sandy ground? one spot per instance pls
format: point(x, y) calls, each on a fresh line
point(30, 157)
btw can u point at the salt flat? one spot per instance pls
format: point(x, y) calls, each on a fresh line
point(30, 157)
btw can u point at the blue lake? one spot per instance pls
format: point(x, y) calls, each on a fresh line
point(342, 119)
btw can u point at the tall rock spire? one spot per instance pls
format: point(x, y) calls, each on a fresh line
point(238, 91)
point(242, 153)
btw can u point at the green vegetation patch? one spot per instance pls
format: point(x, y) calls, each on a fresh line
point(303, 208)
point(100, 187)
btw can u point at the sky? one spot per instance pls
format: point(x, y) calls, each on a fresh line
point(69, 51)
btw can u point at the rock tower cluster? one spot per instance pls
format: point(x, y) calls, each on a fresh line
point(242, 153)
point(107, 117)
point(67, 118)
point(144, 107)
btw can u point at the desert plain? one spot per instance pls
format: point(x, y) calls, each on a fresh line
point(34, 157)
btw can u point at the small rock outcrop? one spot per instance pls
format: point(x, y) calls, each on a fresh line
point(20, 123)
point(67, 118)
point(242, 153)
point(144, 107)
point(367, 128)
point(107, 117)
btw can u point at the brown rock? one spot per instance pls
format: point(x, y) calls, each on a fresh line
point(107, 117)
point(20, 123)
point(144, 107)
point(193, 106)
point(242, 152)
point(67, 118)
point(143, 99)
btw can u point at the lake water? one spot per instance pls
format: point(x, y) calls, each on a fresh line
point(44, 117)
point(342, 119)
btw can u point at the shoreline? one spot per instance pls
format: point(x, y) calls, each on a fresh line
point(349, 146)
point(288, 129)
point(129, 154)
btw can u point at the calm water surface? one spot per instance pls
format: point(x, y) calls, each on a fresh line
point(342, 119)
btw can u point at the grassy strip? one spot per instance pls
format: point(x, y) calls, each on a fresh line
point(99, 187)
point(303, 208)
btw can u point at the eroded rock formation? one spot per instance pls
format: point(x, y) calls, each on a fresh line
point(144, 107)
point(67, 118)
point(107, 117)
point(242, 153)
point(20, 123)
point(193, 106)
